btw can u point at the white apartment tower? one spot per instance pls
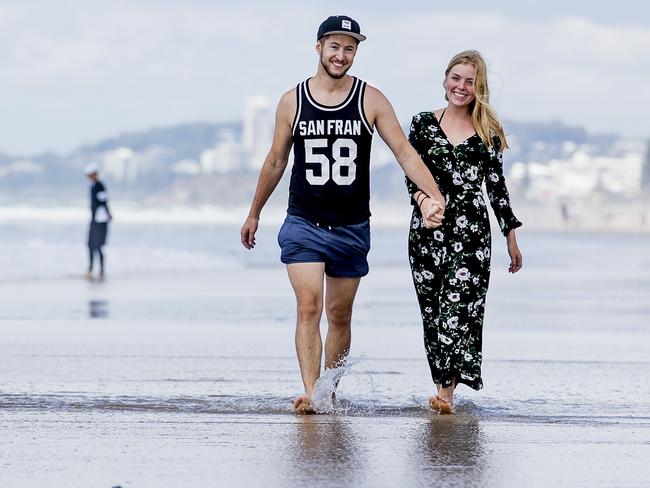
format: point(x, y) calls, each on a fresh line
point(258, 130)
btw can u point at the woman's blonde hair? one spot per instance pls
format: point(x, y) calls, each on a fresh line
point(484, 118)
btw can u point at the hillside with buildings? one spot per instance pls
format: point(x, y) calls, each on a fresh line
point(218, 163)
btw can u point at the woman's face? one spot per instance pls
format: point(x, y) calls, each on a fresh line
point(459, 85)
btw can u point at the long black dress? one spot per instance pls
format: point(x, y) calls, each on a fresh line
point(451, 264)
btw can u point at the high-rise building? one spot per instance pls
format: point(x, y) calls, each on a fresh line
point(224, 157)
point(258, 131)
point(645, 173)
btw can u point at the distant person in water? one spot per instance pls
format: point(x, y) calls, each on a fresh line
point(100, 217)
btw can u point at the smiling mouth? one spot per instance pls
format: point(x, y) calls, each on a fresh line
point(460, 95)
point(338, 64)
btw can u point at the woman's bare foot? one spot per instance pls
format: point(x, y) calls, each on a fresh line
point(444, 400)
point(440, 405)
point(302, 406)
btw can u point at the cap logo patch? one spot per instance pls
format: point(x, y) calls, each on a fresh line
point(346, 24)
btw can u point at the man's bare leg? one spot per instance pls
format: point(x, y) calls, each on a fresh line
point(340, 293)
point(307, 282)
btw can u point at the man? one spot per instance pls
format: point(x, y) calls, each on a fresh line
point(329, 119)
point(100, 216)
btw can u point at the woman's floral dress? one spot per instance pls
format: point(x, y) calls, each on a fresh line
point(451, 264)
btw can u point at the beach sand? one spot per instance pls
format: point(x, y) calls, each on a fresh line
point(177, 379)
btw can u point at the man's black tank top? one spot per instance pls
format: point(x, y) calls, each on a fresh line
point(330, 179)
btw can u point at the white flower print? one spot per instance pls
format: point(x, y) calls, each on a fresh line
point(458, 246)
point(416, 222)
point(417, 276)
point(461, 221)
point(457, 179)
point(444, 339)
point(438, 236)
point(452, 322)
point(454, 297)
point(480, 255)
point(493, 177)
point(436, 260)
point(463, 274)
point(471, 173)
point(427, 274)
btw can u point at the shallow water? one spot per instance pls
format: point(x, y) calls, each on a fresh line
point(183, 374)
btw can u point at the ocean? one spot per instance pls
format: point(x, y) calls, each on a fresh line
point(179, 369)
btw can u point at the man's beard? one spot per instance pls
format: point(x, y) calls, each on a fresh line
point(336, 76)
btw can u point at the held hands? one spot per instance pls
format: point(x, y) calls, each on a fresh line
point(432, 211)
point(248, 232)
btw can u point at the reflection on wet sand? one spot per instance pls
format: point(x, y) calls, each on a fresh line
point(451, 448)
point(97, 309)
point(324, 451)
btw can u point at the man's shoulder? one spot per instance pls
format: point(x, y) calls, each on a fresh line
point(373, 91)
point(287, 105)
point(288, 97)
point(375, 100)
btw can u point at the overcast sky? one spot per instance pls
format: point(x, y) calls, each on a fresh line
point(76, 71)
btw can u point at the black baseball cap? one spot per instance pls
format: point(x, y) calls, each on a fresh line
point(340, 24)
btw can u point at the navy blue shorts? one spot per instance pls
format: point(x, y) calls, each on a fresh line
point(343, 249)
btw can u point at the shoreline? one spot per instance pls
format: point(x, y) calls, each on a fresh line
point(583, 217)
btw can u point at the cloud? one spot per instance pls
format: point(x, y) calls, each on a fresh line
point(75, 71)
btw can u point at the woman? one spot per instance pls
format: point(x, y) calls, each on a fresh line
point(462, 146)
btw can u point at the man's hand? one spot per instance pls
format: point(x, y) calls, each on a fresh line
point(248, 232)
point(431, 209)
point(432, 213)
point(435, 212)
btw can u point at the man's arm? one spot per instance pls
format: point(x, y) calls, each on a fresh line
point(273, 167)
point(381, 114)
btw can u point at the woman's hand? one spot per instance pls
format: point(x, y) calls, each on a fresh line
point(516, 260)
point(432, 211)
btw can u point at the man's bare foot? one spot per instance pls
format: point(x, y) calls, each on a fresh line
point(440, 405)
point(302, 406)
point(88, 275)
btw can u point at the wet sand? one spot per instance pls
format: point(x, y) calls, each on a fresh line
point(187, 380)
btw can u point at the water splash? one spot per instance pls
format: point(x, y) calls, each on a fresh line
point(323, 396)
